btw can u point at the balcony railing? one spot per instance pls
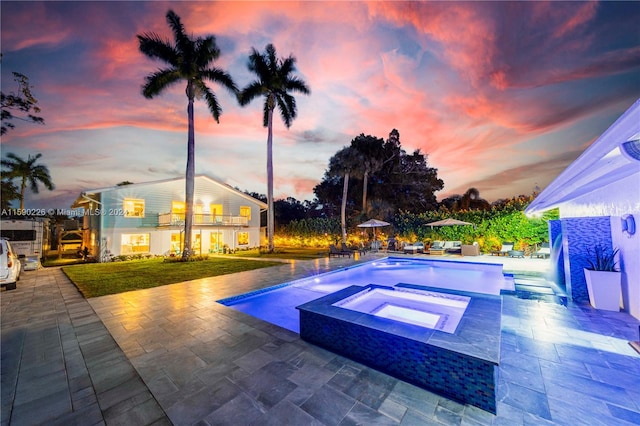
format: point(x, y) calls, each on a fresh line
point(177, 219)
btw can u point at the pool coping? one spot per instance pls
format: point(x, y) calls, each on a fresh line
point(461, 366)
point(230, 301)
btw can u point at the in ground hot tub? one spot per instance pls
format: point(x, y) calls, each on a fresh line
point(445, 341)
point(429, 309)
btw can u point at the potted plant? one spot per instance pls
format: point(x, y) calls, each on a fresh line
point(603, 279)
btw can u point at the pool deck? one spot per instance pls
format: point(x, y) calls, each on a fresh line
point(172, 355)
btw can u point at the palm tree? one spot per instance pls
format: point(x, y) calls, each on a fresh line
point(188, 60)
point(28, 172)
point(372, 159)
point(274, 82)
point(344, 162)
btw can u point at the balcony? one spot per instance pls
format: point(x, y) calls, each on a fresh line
point(177, 219)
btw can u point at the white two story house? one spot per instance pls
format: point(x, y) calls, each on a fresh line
point(148, 218)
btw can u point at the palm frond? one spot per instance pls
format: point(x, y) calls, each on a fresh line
point(249, 93)
point(183, 43)
point(206, 51)
point(156, 82)
point(265, 113)
point(286, 114)
point(210, 98)
point(294, 84)
point(219, 76)
point(155, 47)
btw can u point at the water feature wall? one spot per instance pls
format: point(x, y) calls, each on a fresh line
point(557, 255)
point(460, 366)
point(581, 235)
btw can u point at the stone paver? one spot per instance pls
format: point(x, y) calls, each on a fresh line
point(175, 350)
point(59, 363)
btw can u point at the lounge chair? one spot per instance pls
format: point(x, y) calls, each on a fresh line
point(506, 248)
point(437, 247)
point(453, 247)
point(417, 247)
point(335, 251)
point(544, 251)
point(346, 249)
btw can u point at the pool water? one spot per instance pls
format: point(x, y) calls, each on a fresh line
point(278, 304)
point(426, 309)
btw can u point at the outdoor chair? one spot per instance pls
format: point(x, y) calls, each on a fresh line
point(506, 248)
point(335, 251)
point(453, 247)
point(346, 249)
point(543, 252)
point(437, 247)
point(470, 249)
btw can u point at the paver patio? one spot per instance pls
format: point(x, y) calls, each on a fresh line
point(183, 358)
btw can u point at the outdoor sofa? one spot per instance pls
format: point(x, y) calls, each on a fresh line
point(417, 247)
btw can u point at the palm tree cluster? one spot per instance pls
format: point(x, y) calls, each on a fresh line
point(191, 60)
point(28, 172)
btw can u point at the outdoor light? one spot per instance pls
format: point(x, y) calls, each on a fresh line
point(628, 225)
point(631, 149)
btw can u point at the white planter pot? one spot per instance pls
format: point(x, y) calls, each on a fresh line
point(605, 289)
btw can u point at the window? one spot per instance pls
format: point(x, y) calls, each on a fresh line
point(196, 246)
point(198, 213)
point(133, 207)
point(216, 242)
point(243, 238)
point(216, 212)
point(245, 212)
point(176, 242)
point(177, 212)
point(134, 243)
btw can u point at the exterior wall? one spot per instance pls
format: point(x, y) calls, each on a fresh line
point(609, 203)
point(110, 224)
point(580, 236)
point(629, 263)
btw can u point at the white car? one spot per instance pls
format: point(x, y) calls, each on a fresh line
point(10, 266)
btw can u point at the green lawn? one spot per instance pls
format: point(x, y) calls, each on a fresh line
point(296, 253)
point(100, 279)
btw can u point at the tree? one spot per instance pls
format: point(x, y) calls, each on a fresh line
point(343, 163)
point(372, 158)
point(471, 201)
point(274, 82)
point(189, 60)
point(401, 181)
point(9, 193)
point(27, 172)
point(23, 102)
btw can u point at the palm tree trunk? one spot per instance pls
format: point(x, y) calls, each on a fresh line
point(365, 181)
point(270, 212)
point(23, 186)
point(343, 210)
point(190, 176)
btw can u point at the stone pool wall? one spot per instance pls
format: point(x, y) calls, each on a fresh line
point(461, 366)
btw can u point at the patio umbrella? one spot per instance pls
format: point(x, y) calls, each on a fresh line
point(449, 222)
point(373, 223)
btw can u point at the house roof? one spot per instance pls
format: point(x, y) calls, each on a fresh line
point(615, 155)
point(85, 196)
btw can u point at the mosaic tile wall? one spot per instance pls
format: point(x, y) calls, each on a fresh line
point(580, 235)
point(468, 379)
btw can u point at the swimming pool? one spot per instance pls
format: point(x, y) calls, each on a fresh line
point(277, 304)
point(428, 309)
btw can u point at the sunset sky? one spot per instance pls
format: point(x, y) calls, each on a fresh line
point(501, 96)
